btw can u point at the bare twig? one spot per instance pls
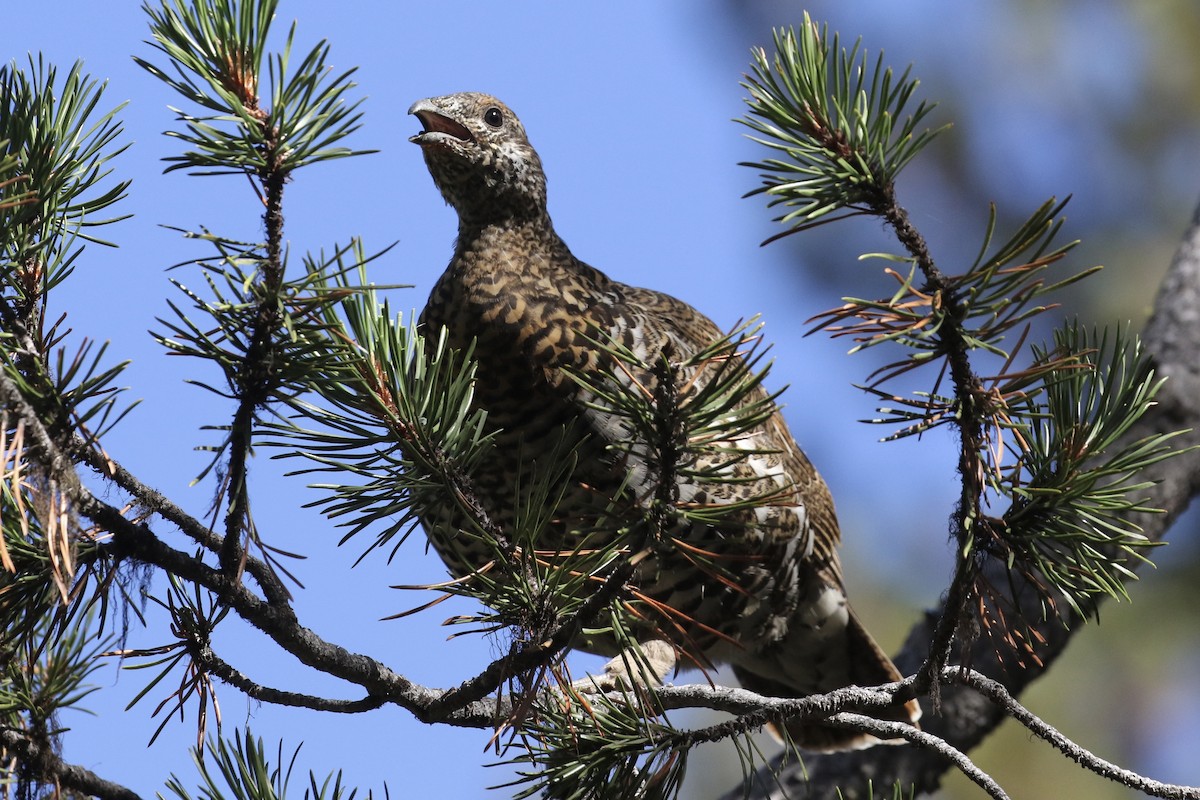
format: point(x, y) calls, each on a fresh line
point(995, 691)
point(885, 729)
point(209, 661)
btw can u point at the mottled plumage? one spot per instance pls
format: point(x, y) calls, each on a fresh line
point(533, 311)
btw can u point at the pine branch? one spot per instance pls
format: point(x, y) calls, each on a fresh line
point(216, 52)
point(278, 621)
point(969, 419)
point(918, 738)
point(1062, 416)
point(523, 660)
point(1063, 412)
point(1171, 338)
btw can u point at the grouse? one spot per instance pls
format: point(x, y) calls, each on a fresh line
point(543, 325)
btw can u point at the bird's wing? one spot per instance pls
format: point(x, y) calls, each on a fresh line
point(796, 501)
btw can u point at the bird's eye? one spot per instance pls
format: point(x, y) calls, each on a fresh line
point(493, 117)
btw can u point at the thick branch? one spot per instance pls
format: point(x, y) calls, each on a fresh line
point(280, 623)
point(1172, 337)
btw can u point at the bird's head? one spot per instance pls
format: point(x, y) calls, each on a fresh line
point(479, 157)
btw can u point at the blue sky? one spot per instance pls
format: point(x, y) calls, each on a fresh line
point(629, 105)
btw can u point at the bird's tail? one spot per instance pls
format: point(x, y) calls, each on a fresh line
point(861, 662)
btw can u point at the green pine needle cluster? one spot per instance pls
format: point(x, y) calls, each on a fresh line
point(393, 417)
point(44, 674)
point(59, 142)
point(216, 51)
point(991, 299)
point(836, 123)
point(588, 749)
point(56, 144)
point(1073, 484)
point(220, 325)
point(251, 320)
point(687, 420)
point(243, 769)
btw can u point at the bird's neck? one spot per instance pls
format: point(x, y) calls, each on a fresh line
point(517, 244)
point(477, 210)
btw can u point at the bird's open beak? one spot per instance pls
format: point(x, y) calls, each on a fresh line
point(437, 126)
